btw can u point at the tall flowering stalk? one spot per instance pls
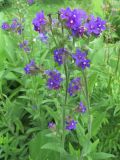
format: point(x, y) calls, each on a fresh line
point(88, 104)
point(77, 24)
point(66, 96)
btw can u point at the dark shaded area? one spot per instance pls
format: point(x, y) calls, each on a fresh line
point(4, 4)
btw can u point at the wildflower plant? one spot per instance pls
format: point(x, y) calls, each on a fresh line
point(69, 56)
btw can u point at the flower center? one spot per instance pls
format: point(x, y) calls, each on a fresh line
point(72, 124)
point(71, 21)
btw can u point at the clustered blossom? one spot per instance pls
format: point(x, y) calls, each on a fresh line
point(79, 31)
point(16, 26)
point(24, 45)
point(80, 23)
point(81, 59)
point(74, 86)
point(30, 1)
point(95, 25)
point(81, 108)
point(59, 55)
point(5, 26)
point(39, 22)
point(54, 80)
point(71, 124)
point(31, 68)
point(51, 125)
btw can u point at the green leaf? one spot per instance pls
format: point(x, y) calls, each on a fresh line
point(73, 151)
point(102, 155)
point(96, 124)
point(94, 145)
point(91, 81)
point(55, 147)
point(40, 140)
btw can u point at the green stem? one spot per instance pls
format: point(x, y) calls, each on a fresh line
point(65, 103)
point(51, 29)
point(118, 60)
point(88, 105)
point(53, 35)
point(89, 114)
point(64, 107)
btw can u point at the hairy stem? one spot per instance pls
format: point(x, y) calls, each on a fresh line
point(118, 60)
point(65, 103)
point(88, 105)
point(51, 28)
point(64, 106)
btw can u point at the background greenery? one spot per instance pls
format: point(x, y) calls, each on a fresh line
point(23, 126)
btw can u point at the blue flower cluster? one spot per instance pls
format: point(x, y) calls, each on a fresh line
point(24, 46)
point(31, 68)
point(39, 22)
point(59, 55)
point(54, 80)
point(5, 26)
point(16, 26)
point(74, 86)
point(95, 25)
point(81, 59)
point(81, 108)
point(71, 124)
point(80, 23)
point(51, 125)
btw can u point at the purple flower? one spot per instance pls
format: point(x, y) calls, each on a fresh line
point(101, 25)
point(81, 108)
point(78, 32)
point(72, 23)
point(74, 20)
point(59, 55)
point(82, 15)
point(71, 125)
point(39, 22)
point(81, 59)
point(30, 1)
point(31, 68)
point(43, 37)
point(95, 25)
point(78, 22)
point(65, 13)
point(5, 26)
point(25, 46)
point(54, 79)
point(51, 125)
point(74, 86)
point(16, 26)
